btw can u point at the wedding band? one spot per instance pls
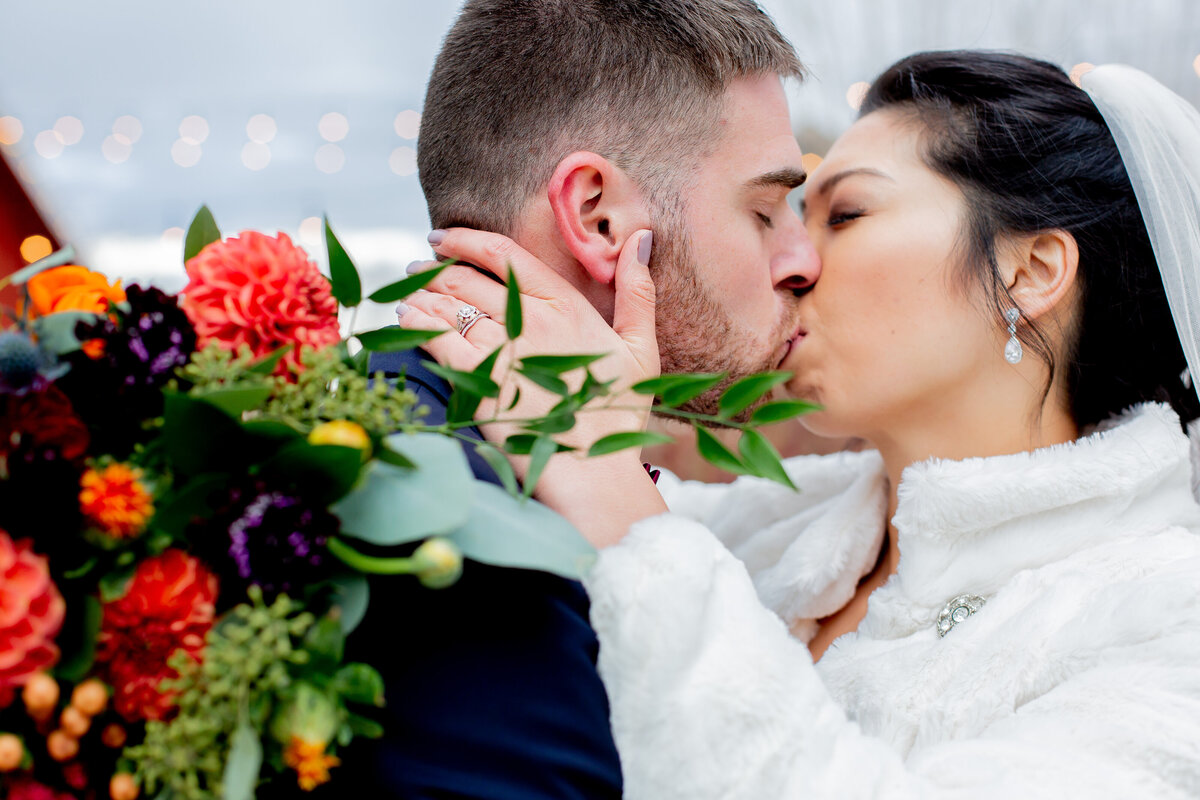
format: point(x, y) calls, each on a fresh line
point(467, 316)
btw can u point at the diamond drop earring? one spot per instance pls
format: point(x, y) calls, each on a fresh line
point(1012, 350)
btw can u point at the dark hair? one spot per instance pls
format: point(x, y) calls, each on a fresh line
point(1031, 153)
point(520, 84)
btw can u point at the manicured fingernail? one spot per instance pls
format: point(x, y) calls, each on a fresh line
point(414, 267)
point(644, 248)
point(436, 237)
point(402, 309)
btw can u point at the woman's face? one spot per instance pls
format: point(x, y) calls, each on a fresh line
point(892, 335)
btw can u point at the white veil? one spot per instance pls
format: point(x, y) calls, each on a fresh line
point(1158, 135)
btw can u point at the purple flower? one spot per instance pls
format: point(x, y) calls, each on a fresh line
point(267, 538)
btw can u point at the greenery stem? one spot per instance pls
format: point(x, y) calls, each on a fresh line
point(372, 564)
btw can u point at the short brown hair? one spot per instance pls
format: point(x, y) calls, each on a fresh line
point(520, 84)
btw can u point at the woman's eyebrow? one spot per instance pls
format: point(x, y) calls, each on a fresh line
point(826, 186)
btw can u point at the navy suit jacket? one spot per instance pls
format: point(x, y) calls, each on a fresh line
point(491, 684)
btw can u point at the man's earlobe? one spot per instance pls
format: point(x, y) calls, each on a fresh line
point(594, 204)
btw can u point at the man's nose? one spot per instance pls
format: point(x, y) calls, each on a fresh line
point(797, 265)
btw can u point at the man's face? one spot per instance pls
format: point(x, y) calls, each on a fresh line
point(728, 262)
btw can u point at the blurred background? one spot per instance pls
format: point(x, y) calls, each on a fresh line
point(119, 119)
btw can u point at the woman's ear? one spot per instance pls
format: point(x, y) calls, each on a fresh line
point(596, 208)
point(1043, 273)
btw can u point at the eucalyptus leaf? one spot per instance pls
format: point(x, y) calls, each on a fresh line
point(56, 332)
point(714, 452)
point(393, 505)
point(557, 365)
point(749, 390)
point(202, 232)
point(762, 457)
point(351, 595)
point(58, 258)
point(675, 390)
point(505, 531)
point(539, 455)
point(615, 442)
point(394, 338)
point(402, 288)
point(513, 319)
point(501, 466)
point(344, 283)
point(243, 763)
point(234, 399)
point(780, 410)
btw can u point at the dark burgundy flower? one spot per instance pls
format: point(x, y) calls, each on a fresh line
point(267, 538)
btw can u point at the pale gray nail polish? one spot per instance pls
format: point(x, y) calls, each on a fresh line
point(402, 309)
point(414, 267)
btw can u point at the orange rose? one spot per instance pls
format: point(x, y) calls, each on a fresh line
point(72, 288)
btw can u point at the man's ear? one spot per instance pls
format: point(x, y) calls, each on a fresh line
point(596, 207)
point(1043, 273)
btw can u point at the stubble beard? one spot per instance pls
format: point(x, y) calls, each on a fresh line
point(695, 333)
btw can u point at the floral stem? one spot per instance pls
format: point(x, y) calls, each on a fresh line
point(372, 564)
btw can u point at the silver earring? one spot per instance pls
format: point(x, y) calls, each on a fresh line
point(1012, 350)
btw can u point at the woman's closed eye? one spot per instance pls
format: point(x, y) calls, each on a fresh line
point(840, 217)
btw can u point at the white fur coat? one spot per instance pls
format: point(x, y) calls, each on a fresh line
point(1080, 677)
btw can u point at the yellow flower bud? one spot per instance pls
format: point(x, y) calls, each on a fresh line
point(341, 432)
point(439, 563)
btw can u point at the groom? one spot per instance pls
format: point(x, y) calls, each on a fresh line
point(568, 125)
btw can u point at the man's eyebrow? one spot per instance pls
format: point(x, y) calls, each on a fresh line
point(786, 177)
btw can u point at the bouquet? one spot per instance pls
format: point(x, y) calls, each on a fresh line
point(194, 487)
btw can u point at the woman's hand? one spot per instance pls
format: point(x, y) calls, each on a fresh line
point(557, 320)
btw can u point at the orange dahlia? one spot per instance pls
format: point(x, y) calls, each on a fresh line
point(31, 615)
point(168, 606)
point(116, 501)
point(311, 762)
point(72, 288)
point(261, 292)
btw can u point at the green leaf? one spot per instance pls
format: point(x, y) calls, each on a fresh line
point(271, 430)
point(389, 456)
point(401, 289)
point(516, 399)
point(344, 282)
point(747, 391)
point(501, 466)
point(363, 726)
point(325, 643)
point(780, 410)
point(521, 444)
point(393, 505)
point(476, 384)
point(234, 399)
point(266, 365)
point(114, 584)
point(539, 455)
point(359, 683)
point(200, 437)
point(557, 365)
point(555, 422)
point(715, 453)
point(186, 501)
point(623, 441)
point(763, 458)
point(78, 639)
point(393, 338)
point(351, 595)
point(56, 332)
point(675, 390)
point(201, 233)
point(58, 258)
point(485, 367)
point(242, 764)
point(508, 532)
point(324, 473)
point(547, 380)
point(513, 320)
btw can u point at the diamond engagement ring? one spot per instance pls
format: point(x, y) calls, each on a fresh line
point(467, 316)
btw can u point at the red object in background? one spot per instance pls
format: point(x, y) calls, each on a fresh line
point(19, 219)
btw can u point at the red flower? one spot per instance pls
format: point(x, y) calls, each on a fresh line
point(262, 292)
point(31, 615)
point(38, 422)
point(29, 789)
point(168, 606)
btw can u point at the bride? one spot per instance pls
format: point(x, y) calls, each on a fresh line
point(1001, 598)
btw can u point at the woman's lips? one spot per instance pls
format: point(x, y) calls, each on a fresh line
point(790, 345)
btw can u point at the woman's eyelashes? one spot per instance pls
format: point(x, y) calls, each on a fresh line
point(840, 217)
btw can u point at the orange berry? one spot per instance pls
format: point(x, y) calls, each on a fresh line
point(12, 752)
point(62, 746)
point(74, 721)
point(123, 787)
point(113, 735)
point(90, 697)
point(40, 695)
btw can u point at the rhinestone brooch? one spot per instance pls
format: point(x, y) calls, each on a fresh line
point(956, 611)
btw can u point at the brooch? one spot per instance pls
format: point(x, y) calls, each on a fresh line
point(956, 611)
